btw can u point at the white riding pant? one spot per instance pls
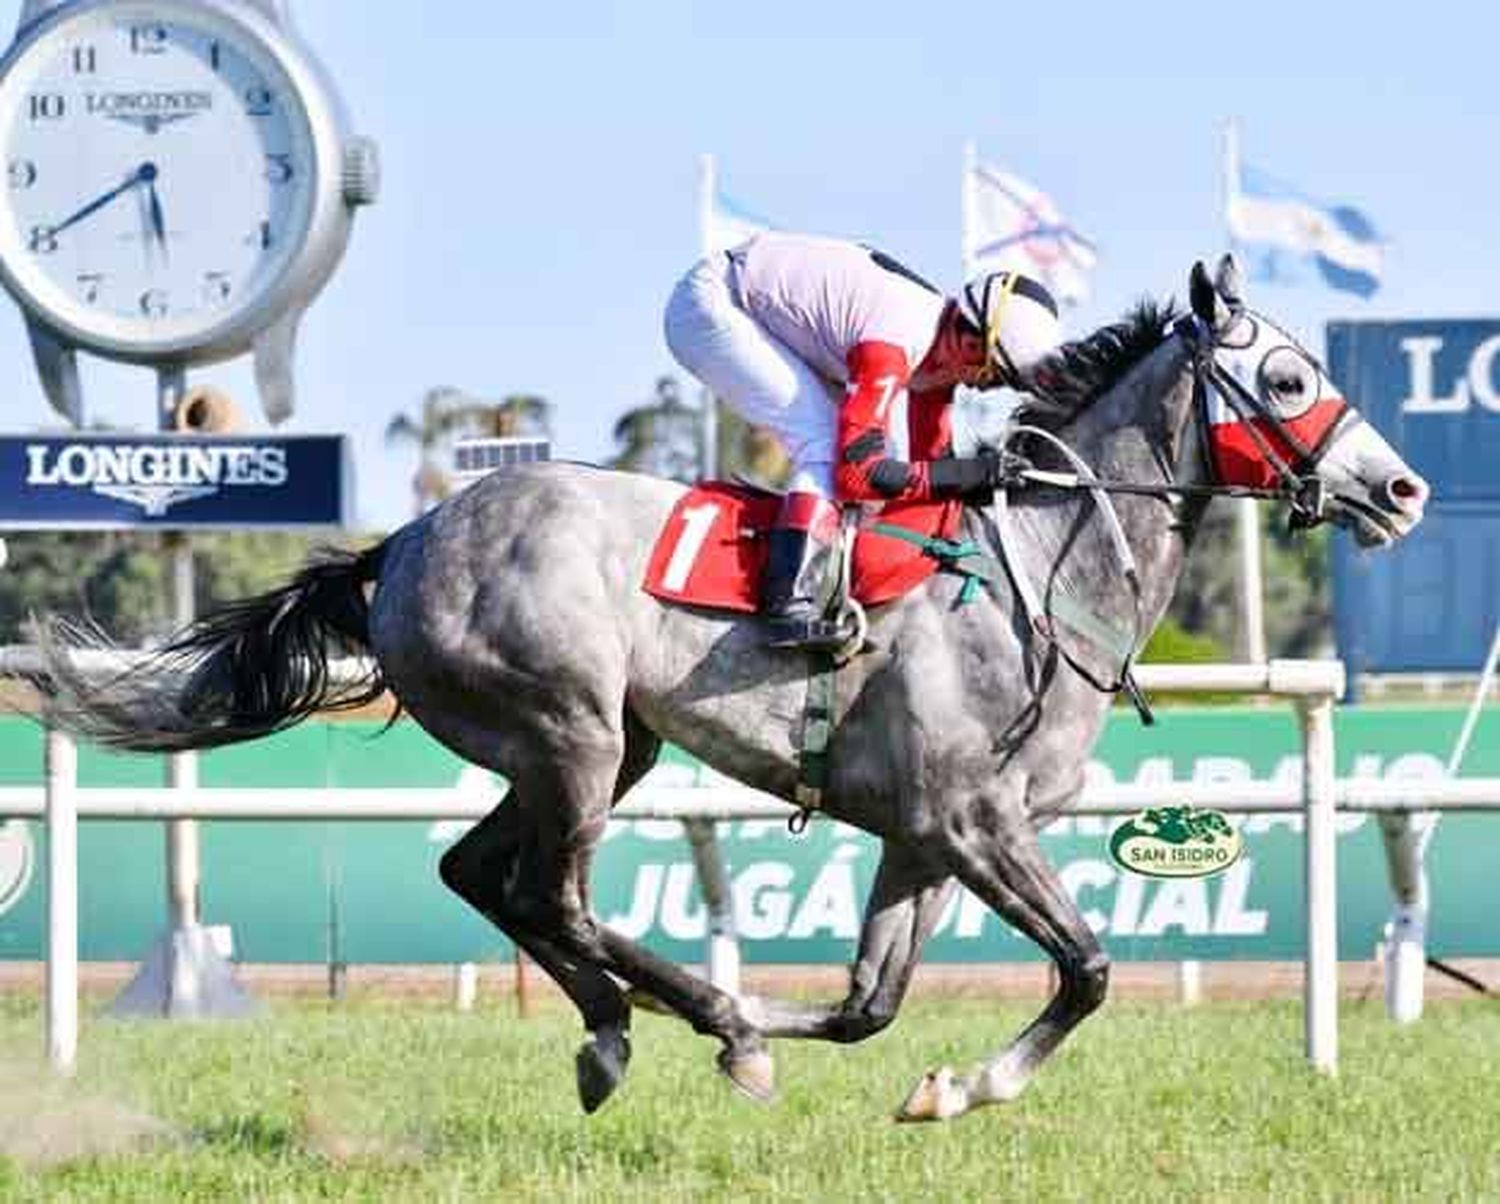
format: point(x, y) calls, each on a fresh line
point(756, 373)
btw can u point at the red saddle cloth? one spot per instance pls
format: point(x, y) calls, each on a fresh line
point(713, 547)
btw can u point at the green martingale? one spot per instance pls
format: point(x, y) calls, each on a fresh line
point(1177, 842)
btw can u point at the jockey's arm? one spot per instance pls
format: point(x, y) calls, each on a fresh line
point(865, 471)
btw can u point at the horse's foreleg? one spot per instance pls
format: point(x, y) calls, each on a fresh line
point(905, 904)
point(1001, 861)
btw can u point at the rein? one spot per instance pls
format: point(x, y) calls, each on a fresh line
point(1298, 485)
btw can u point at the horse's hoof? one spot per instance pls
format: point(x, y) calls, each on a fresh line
point(601, 1067)
point(938, 1096)
point(753, 1074)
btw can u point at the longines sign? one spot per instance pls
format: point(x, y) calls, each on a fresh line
point(172, 482)
point(1433, 388)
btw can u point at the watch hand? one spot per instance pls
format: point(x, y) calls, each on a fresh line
point(142, 175)
point(158, 218)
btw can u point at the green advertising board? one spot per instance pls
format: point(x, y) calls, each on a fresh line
point(369, 892)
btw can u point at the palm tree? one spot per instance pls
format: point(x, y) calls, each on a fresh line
point(447, 412)
point(663, 437)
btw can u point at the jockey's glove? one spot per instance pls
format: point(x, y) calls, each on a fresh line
point(972, 478)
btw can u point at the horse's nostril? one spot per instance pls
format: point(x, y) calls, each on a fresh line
point(1406, 493)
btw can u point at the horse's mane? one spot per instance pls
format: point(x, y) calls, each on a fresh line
point(1070, 378)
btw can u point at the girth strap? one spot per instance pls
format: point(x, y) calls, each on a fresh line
point(813, 738)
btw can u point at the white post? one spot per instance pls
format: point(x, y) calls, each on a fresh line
point(1407, 835)
point(1252, 588)
point(1190, 983)
point(1252, 609)
point(723, 952)
point(62, 902)
point(966, 216)
point(1321, 976)
point(708, 189)
point(183, 861)
point(465, 986)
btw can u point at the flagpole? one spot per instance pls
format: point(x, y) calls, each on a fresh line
point(1252, 588)
point(708, 188)
point(966, 214)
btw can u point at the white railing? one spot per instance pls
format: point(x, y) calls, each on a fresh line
point(1312, 685)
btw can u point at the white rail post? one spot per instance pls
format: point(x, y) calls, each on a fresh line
point(723, 961)
point(62, 901)
point(1321, 976)
point(465, 986)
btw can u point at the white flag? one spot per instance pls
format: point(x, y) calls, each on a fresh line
point(729, 224)
point(1018, 227)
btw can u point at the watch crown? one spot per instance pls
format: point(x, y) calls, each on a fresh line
point(361, 172)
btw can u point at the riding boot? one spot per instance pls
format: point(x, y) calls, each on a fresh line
point(802, 576)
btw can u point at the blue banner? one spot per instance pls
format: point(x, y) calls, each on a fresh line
point(173, 482)
point(1433, 389)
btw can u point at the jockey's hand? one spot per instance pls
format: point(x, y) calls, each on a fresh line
point(974, 478)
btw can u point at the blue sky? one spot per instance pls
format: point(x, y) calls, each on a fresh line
point(540, 172)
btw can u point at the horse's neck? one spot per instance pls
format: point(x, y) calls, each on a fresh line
point(1142, 432)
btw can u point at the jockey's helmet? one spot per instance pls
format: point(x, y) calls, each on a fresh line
point(1017, 318)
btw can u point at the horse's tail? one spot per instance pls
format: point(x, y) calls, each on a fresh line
point(248, 669)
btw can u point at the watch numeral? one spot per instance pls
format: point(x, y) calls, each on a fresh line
point(85, 60)
point(217, 286)
point(215, 55)
point(42, 240)
point(48, 106)
point(20, 174)
point(89, 285)
point(260, 237)
point(154, 303)
point(148, 39)
point(258, 101)
point(279, 169)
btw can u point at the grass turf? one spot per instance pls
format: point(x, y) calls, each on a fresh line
point(379, 1101)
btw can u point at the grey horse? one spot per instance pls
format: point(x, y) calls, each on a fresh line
point(511, 624)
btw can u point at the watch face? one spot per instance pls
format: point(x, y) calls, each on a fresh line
point(159, 173)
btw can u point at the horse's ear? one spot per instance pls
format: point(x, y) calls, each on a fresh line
point(1230, 281)
point(1205, 300)
point(1207, 303)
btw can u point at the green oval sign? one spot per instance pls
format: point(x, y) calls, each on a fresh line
point(1177, 842)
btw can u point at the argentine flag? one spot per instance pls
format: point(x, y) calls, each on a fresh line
point(1281, 232)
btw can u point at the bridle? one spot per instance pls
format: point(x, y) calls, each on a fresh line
point(1297, 484)
point(1297, 480)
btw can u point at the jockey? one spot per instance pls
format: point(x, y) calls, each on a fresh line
point(828, 344)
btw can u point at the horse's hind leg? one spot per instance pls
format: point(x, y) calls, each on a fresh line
point(905, 904)
point(1001, 861)
point(553, 891)
point(480, 867)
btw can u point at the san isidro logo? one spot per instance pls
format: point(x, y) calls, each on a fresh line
point(1177, 842)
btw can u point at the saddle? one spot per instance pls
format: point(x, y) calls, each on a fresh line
point(712, 549)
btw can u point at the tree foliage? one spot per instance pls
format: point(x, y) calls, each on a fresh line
point(665, 437)
point(121, 580)
point(447, 413)
point(1297, 596)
